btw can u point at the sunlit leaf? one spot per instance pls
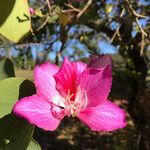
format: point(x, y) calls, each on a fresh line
point(108, 8)
point(12, 89)
point(39, 13)
point(52, 19)
point(14, 19)
point(33, 145)
point(55, 14)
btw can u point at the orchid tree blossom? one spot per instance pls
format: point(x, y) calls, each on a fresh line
point(31, 10)
point(73, 90)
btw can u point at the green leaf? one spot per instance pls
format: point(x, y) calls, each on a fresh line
point(55, 14)
point(6, 69)
point(15, 133)
point(52, 19)
point(15, 19)
point(56, 9)
point(12, 89)
point(39, 13)
point(108, 8)
point(33, 145)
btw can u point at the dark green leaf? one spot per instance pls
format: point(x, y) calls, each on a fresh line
point(15, 133)
point(6, 68)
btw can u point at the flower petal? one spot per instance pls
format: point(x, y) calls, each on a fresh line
point(100, 61)
point(104, 117)
point(44, 80)
point(66, 78)
point(39, 112)
point(96, 82)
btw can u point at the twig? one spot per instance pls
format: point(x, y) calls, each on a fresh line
point(138, 142)
point(32, 32)
point(43, 24)
point(59, 54)
point(144, 34)
point(84, 9)
point(80, 12)
point(142, 45)
point(136, 17)
point(69, 10)
point(114, 35)
point(49, 7)
point(41, 7)
point(133, 11)
point(117, 30)
point(72, 7)
point(63, 39)
point(141, 29)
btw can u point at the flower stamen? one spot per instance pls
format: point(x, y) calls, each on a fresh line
point(74, 107)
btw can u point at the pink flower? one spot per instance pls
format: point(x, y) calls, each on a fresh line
point(32, 11)
point(75, 89)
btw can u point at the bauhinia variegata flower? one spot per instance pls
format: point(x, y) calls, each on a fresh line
point(31, 10)
point(75, 89)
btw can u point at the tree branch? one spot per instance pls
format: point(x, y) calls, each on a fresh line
point(63, 38)
point(117, 30)
point(72, 7)
point(84, 8)
point(49, 7)
point(43, 24)
point(133, 11)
